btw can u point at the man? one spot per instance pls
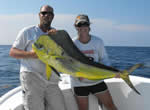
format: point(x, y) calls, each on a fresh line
point(39, 93)
point(92, 47)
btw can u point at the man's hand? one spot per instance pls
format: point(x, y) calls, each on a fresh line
point(33, 54)
point(52, 31)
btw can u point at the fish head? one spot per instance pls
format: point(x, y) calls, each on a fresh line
point(41, 51)
point(46, 47)
point(38, 45)
point(44, 44)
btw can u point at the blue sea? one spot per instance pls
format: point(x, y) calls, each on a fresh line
point(121, 58)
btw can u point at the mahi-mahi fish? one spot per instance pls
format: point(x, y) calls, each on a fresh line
point(60, 54)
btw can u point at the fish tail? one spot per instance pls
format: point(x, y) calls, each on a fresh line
point(128, 81)
point(125, 76)
point(130, 70)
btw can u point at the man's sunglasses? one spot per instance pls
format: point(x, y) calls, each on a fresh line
point(46, 13)
point(83, 24)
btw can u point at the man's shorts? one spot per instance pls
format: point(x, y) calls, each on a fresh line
point(94, 89)
point(40, 95)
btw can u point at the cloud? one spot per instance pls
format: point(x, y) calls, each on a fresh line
point(133, 28)
point(11, 24)
point(115, 33)
point(113, 25)
point(112, 32)
point(64, 21)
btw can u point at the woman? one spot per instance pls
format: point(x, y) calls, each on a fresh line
point(92, 47)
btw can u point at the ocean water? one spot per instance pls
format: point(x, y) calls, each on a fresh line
point(120, 57)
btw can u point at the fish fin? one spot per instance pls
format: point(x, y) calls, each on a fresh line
point(41, 52)
point(48, 71)
point(55, 71)
point(125, 76)
point(58, 57)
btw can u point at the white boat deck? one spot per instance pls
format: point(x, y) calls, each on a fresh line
point(123, 96)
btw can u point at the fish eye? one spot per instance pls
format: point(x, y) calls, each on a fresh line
point(39, 46)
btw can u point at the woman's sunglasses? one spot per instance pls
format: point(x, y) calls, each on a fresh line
point(83, 24)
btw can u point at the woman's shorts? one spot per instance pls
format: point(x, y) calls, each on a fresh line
point(94, 89)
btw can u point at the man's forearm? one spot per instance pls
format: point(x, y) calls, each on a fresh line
point(19, 54)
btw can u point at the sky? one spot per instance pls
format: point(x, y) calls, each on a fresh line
point(117, 22)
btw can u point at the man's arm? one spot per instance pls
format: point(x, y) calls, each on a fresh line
point(19, 54)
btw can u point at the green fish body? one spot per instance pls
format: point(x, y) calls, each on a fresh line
point(58, 52)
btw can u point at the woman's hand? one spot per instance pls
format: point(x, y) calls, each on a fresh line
point(117, 75)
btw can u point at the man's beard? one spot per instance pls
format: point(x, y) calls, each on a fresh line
point(46, 24)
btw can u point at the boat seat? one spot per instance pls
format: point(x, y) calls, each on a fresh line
point(19, 107)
